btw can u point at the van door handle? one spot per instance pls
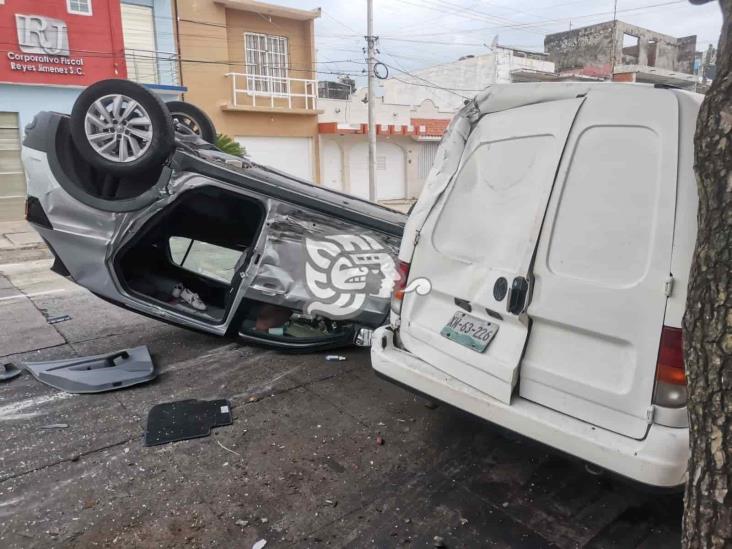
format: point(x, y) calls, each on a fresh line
point(517, 295)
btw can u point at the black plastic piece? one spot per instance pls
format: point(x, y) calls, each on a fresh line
point(517, 295)
point(464, 304)
point(34, 213)
point(185, 419)
point(500, 289)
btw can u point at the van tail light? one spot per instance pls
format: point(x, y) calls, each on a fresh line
point(400, 284)
point(670, 375)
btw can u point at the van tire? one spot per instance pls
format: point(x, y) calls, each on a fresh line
point(94, 115)
point(194, 119)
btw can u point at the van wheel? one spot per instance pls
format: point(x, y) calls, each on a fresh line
point(121, 128)
point(193, 118)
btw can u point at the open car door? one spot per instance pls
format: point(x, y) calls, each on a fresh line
point(478, 246)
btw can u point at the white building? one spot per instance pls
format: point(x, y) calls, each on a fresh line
point(411, 117)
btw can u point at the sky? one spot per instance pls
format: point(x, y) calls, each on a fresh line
point(419, 33)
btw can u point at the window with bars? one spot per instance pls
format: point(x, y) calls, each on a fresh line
point(79, 7)
point(266, 60)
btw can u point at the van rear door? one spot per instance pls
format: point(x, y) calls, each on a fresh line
point(478, 244)
point(603, 261)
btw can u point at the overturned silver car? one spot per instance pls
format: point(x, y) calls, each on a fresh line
point(140, 208)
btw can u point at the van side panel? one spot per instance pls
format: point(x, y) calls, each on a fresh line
point(602, 262)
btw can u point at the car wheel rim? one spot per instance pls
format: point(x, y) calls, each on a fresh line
point(118, 128)
point(187, 121)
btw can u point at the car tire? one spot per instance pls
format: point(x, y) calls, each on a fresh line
point(194, 119)
point(121, 128)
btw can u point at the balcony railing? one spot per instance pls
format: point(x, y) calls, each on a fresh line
point(152, 67)
point(274, 92)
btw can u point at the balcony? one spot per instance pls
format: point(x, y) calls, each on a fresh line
point(278, 94)
point(152, 67)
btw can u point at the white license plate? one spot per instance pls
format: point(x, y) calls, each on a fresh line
point(469, 331)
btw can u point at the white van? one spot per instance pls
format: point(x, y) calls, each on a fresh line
point(556, 231)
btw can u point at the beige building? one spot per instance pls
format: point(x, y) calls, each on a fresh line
point(250, 66)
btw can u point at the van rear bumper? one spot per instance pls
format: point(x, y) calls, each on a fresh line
point(659, 460)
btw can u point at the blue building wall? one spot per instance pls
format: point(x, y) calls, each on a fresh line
point(28, 100)
point(164, 38)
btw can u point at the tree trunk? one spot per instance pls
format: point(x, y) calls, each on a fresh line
point(708, 321)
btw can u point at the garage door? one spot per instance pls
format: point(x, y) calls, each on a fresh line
point(390, 171)
point(12, 179)
point(293, 155)
point(330, 159)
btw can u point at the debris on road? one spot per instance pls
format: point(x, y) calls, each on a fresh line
point(438, 541)
point(261, 543)
point(185, 419)
point(58, 318)
point(380, 440)
point(96, 374)
point(9, 371)
point(331, 502)
point(335, 358)
point(228, 449)
point(243, 523)
point(54, 426)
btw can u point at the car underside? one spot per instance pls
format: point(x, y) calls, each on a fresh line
point(211, 241)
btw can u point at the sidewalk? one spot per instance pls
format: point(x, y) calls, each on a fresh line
point(19, 243)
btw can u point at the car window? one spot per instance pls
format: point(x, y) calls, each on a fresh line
point(203, 258)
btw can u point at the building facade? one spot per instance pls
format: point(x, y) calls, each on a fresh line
point(623, 52)
point(56, 48)
point(407, 137)
point(448, 84)
point(250, 67)
point(411, 116)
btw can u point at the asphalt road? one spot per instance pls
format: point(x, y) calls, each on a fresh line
point(299, 467)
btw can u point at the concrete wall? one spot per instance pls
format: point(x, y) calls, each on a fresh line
point(409, 147)
point(587, 48)
point(591, 50)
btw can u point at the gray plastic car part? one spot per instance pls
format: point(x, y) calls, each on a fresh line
point(96, 374)
point(9, 371)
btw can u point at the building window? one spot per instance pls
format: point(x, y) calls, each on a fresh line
point(631, 49)
point(266, 63)
point(138, 28)
point(79, 7)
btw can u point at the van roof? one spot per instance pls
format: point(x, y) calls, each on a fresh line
point(501, 97)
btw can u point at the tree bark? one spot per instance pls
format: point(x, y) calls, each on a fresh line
point(707, 325)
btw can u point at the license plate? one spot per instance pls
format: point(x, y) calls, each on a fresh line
point(469, 331)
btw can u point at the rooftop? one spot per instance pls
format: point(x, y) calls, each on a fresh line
point(264, 8)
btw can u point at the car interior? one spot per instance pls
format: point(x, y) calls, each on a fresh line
point(196, 246)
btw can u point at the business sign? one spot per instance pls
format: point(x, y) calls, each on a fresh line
point(44, 47)
point(56, 47)
point(38, 34)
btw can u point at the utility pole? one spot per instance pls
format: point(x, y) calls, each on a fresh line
point(370, 44)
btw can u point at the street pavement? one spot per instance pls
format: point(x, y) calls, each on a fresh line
point(299, 467)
